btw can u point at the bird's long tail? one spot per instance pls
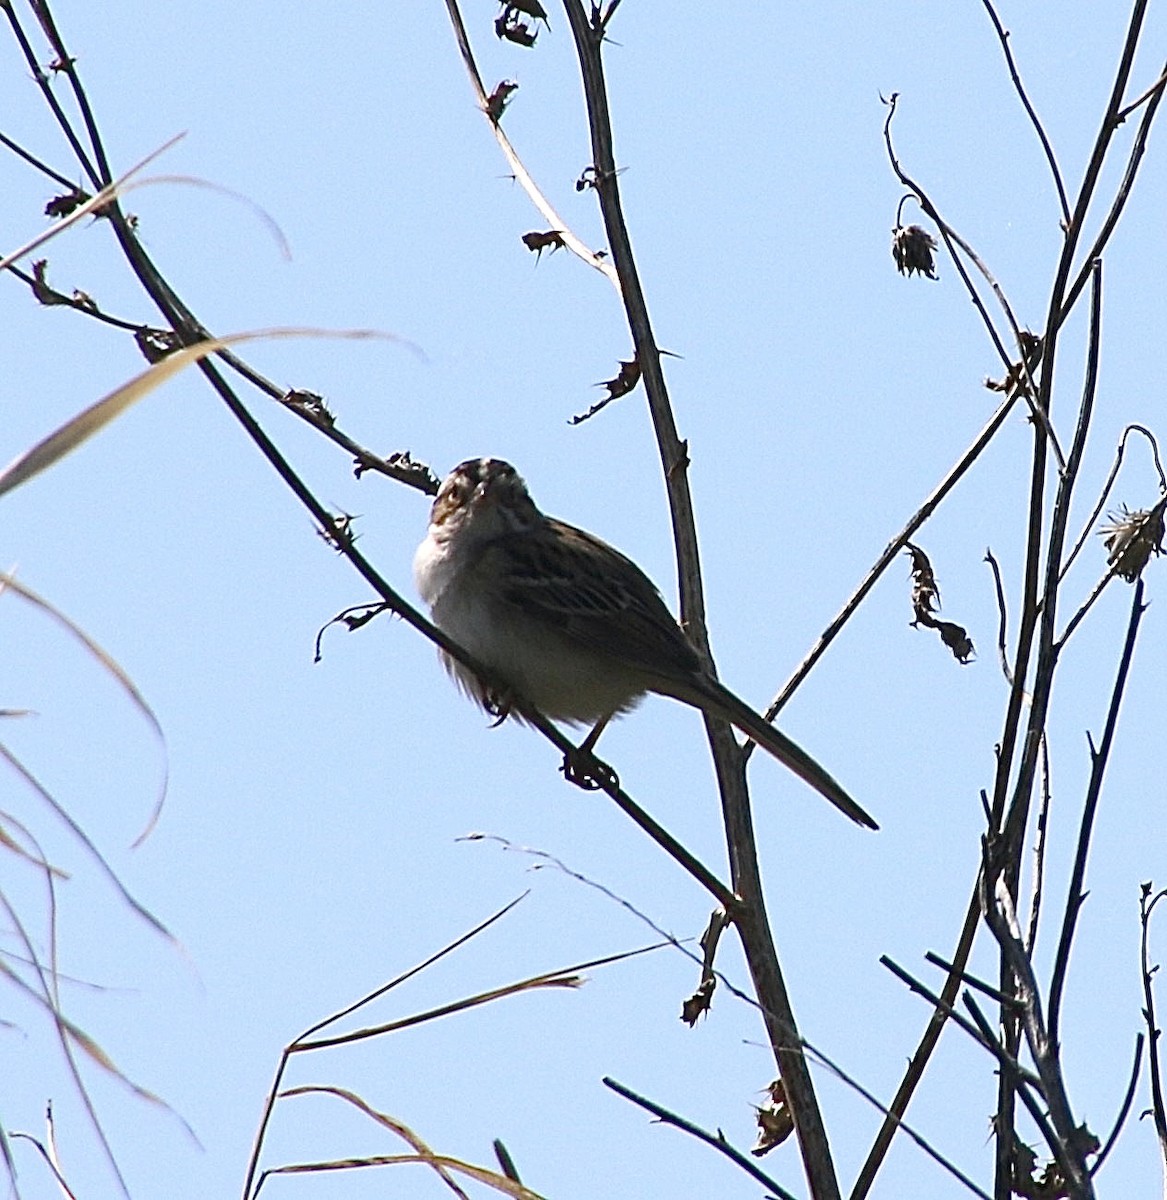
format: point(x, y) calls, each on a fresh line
point(722, 702)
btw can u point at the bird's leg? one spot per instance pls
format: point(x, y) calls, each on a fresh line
point(583, 768)
point(497, 705)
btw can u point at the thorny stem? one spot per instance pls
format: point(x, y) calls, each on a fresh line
point(1101, 502)
point(750, 913)
point(522, 175)
point(718, 1142)
point(1099, 758)
point(1147, 904)
point(888, 556)
point(1019, 806)
point(1065, 1139)
point(1037, 889)
point(952, 240)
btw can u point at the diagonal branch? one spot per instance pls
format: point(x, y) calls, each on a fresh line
point(522, 175)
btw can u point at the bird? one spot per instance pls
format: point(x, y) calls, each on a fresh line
point(566, 622)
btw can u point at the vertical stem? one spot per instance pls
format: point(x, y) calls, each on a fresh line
point(749, 914)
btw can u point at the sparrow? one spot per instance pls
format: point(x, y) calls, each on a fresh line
point(565, 621)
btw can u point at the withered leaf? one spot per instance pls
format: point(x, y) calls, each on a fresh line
point(511, 27)
point(156, 344)
point(699, 1003)
point(41, 288)
point(310, 405)
point(926, 603)
point(531, 7)
point(626, 379)
point(538, 242)
point(775, 1124)
point(499, 98)
point(63, 205)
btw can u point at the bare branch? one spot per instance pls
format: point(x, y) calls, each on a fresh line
point(1099, 758)
point(1003, 36)
point(717, 1141)
point(522, 176)
point(1147, 904)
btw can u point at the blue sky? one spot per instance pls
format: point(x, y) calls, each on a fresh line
point(310, 844)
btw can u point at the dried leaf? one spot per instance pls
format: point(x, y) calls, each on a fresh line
point(40, 286)
point(626, 379)
point(310, 405)
point(513, 29)
point(926, 603)
point(538, 242)
point(1017, 378)
point(699, 1003)
point(775, 1124)
point(156, 344)
point(499, 98)
point(531, 7)
point(67, 202)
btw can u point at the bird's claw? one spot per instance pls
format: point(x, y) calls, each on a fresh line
point(498, 706)
point(585, 770)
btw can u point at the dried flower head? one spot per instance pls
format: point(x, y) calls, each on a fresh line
point(1132, 537)
point(912, 247)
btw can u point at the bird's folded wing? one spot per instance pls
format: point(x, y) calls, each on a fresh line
point(597, 597)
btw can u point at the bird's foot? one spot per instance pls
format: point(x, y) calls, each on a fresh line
point(585, 770)
point(498, 706)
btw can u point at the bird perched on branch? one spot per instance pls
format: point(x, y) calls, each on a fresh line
point(565, 622)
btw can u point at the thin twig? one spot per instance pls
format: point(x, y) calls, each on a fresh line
point(888, 556)
point(1155, 88)
point(987, 1042)
point(1147, 904)
point(1099, 759)
point(1122, 195)
point(893, 1119)
point(986, 989)
point(51, 100)
point(1102, 496)
point(33, 161)
point(1038, 886)
point(952, 240)
point(1123, 1109)
point(1003, 36)
point(1002, 616)
point(901, 1125)
point(717, 1141)
point(522, 175)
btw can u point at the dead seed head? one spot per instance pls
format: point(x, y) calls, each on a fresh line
point(912, 247)
point(1132, 538)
